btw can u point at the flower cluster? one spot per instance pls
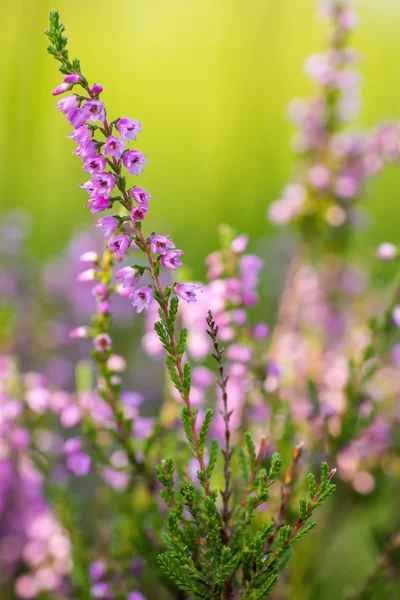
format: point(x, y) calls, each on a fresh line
point(335, 161)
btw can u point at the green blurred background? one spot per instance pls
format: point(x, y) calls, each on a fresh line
point(210, 81)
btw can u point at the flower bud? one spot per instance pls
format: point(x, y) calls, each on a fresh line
point(63, 87)
point(74, 78)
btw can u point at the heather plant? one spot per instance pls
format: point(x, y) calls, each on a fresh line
point(198, 541)
point(190, 480)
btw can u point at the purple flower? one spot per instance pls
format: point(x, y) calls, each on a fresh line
point(135, 595)
point(95, 164)
point(250, 265)
point(102, 342)
point(94, 110)
point(386, 251)
point(127, 276)
point(171, 260)
point(97, 89)
point(82, 135)
point(63, 87)
point(114, 147)
point(74, 78)
point(141, 196)
point(142, 298)
point(100, 291)
point(138, 213)
point(88, 275)
point(260, 331)
point(85, 151)
point(186, 291)
point(98, 204)
point(128, 128)
point(81, 332)
point(159, 244)
point(72, 446)
point(101, 590)
point(119, 245)
point(78, 118)
point(101, 184)
point(79, 464)
point(108, 225)
point(133, 161)
point(68, 105)
point(97, 570)
point(89, 256)
point(239, 353)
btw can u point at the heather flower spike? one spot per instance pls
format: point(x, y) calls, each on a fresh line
point(205, 548)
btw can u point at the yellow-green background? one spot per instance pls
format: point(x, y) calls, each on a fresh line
point(210, 81)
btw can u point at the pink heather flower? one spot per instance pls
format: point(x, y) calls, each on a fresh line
point(127, 276)
point(88, 275)
point(102, 342)
point(95, 164)
point(141, 196)
point(108, 225)
point(104, 306)
point(135, 595)
point(98, 204)
point(72, 445)
point(386, 251)
point(78, 118)
point(396, 316)
point(97, 89)
point(79, 464)
point(348, 19)
point(128, 128)
point(101, 591)
point(249, 266)
point(346, 187)
point(70, 416)
point(114, 147)
point(101, 184)
point(74, 78)
point(171, 260)
point(138, 213)
point(82, 135)
point(68, 105)
point(319, 177)
point(134, 161)
point(119, 245)
point(159, 244)
point(186, 291)
point(100, 291)
point(116, 363)
point(81, 332)
point(239, 353)
point(63, 87)
point(86, 150)
point(142, 298)
point(260, 331)
point(94, 110)
point(97, 570)
point(239, 244)
point(89, 256)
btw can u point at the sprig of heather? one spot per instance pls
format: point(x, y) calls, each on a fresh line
point(334, 162)
point(83, 112)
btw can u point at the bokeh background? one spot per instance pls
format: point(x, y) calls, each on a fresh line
point(210, 81)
